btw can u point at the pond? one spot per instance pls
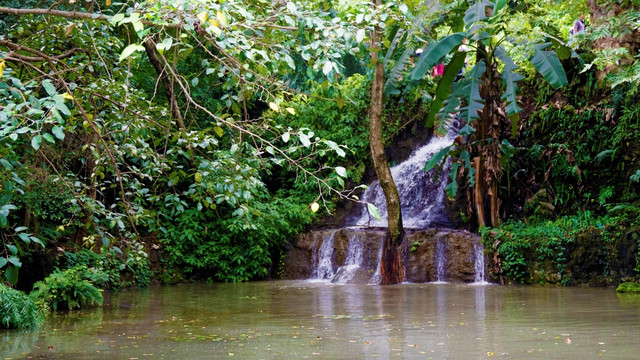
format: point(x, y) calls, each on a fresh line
point(305, 320)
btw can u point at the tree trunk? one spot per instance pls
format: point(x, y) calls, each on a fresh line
point(392, 262)
point(478, 193)
point(487, 164)
point(167, 84)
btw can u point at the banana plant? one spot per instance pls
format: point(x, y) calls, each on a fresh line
point(483, 98)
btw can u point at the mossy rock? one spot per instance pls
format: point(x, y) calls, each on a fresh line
point(629, 287)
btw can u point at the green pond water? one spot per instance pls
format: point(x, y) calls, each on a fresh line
point(302, 320)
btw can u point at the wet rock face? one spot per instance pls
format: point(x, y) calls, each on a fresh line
point(459, 255)
point(420, 254)
point(594, 261)
point(297, 262)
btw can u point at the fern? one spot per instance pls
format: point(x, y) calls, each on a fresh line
point(69, 288)
point(603, 155)
point(18, 311)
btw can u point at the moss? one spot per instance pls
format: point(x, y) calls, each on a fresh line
point(629, 287)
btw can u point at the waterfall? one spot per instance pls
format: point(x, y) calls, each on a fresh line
point(323, 259)
point(441, 262)
point(375, 279)
point(352, 254)
point(353, 262)
point(421, 193)
point(479, 266)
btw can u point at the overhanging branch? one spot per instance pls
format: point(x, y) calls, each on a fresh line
point(74, 15)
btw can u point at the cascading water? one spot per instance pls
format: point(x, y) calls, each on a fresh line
point(346, 255)
point(421, 195)
point(441, 262)
point(353, 262)
point(323, 260)
point(352, 254)
point(479, 266)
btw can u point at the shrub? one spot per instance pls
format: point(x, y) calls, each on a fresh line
point(71, 288)
point(18, 311)
point(109, 269)
point(629, 287)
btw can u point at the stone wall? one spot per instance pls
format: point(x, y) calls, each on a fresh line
point(420, 255)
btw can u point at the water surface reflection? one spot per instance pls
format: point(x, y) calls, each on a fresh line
point(278, 320)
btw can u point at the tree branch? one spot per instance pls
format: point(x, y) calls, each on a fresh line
point(40, 59)
point(74, 15)
point(152, 53)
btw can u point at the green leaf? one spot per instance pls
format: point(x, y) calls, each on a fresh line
point(24, 237)
point(130, 50)
point(11, 275)
point(326, 69)
point(434, 54)
point(49, 88)
point(48, 138)
point(12, 249)
point(137, 26)
point(452, 187)
point(304, 139)
point(547, 64)
point(35, 142)
point(58, 131)
point(20, 229)
point(476, 12)
point(335, 148)
point(390, 87)
point(3, 262)
point(437, 158)
point(274, 106)
point(117, 18)
point(289, 60)
point(470, 92)
point(15, 261)
point(466, 130)
point(61, 105)
point(497, 6)
point(341, 171)
point(510, 79)
point(6, 164)
point(286, 136)
point(373, 210)
point(37, 241)
point(443, 91)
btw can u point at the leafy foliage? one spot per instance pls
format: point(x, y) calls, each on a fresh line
point(110, 269)
point(71, 288)
point(18, 311)
point(540, 250)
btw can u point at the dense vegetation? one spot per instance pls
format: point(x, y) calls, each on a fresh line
point(177, 139)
